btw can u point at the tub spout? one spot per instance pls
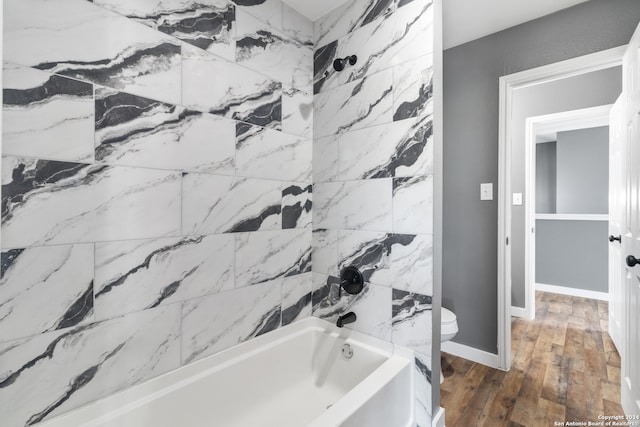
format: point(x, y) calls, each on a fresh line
point(346, 319)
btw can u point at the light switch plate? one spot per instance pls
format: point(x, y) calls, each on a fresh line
point(486, 191)
point(517, 199)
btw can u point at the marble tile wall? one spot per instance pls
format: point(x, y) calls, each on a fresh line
point(373, 174)
point(156, 190)
point(159, 164)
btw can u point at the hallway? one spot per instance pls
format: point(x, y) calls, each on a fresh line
point(564, 368)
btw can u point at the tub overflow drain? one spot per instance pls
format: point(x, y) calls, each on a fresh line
point(347, 351)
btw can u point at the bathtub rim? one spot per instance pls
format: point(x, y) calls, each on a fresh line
point(122, 401)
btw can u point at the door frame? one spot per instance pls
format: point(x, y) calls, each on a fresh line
point(508, 84)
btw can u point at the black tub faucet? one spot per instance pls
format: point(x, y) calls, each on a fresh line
point(350, 317)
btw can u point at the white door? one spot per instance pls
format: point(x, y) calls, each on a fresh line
point(631, 234)
point(617, 211)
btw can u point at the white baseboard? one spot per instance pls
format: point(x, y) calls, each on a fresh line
point(438, 419)
point(521, 312)
point(603, 296)
point(470, 353)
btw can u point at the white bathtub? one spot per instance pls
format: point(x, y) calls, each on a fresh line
point(293, 377)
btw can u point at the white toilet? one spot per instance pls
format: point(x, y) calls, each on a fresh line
point(449, 325)
point(448, 329)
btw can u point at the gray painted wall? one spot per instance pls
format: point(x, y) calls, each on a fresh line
point(586, 90)
point(573, 254)
point(583, 171)
point(546, 177)
point(471, 73)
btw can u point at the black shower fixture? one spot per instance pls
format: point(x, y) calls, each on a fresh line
point(339, 64)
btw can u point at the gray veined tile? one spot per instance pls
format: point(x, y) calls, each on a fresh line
point(268, 51)
point(325, 158)
point(296, 298)
point(58, 202)
point(422, 384)
point(224, 204)
point(52, 373)
point(45, 288)
point(407, 34)
point(216, 322)
point(243, 94)
point(141, 132)
point(46, 116)
point(208, 25)
point(78, 39)
point(400, 149)
point(268, 11)
point(413, 205)
point(135, 275)
point(411, 263)
point(372, 306)
point(349, 17)
point(354, 106)
point(272, 255)
point(325, 252)
point(269, 154)
point(297, 26)
point(360, 205)
point(297, 112)
point(412, 321)
point(297, 202)
point(369, 252)
point(413, 88)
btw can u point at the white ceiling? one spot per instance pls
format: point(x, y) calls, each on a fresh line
point(314, 9)
point(464, 20)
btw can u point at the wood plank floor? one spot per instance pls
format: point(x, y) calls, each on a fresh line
point(564, 368)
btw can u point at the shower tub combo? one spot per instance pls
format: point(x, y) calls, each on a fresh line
point(308, 374)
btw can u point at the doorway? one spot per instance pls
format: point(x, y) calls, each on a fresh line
point(511, 131)
point(567, 203)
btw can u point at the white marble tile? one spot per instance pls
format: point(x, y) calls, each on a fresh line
point(355, 105)
point(268, 11)
point(46, 116)
point(325, 252)
point(272, 255)
point(56, 202)
point(296, 298)
point(270, 154)
point(136, 275)
point(52, 373)
point(413, 205)
point(242, 95)
point(412, 321)
point(325, 158)
point(349, 17)
point(297, 204)
point(270, 52)
point(411, 267)
point(224, 204)
point(399, 149)
point(297, 112)
point(405, 35)
point(141, 132)
point(45, 288)
point(297, 26)
point(216, 322)
point(372, 306)
point(422, 384)
point(369, 252)
point(413, 88)
point(78, 39)
point(208, 24)
point(360, 205)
